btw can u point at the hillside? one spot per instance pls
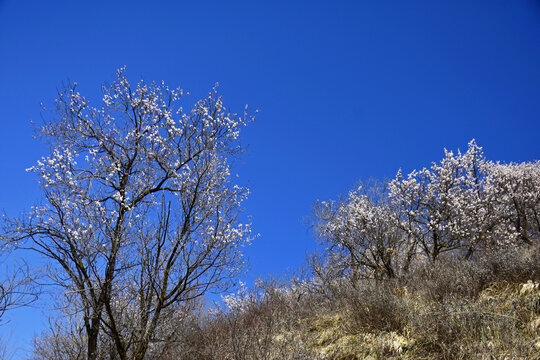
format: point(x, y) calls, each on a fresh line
point(454, 309)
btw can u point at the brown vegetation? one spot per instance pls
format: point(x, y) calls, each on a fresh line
point(451, 309)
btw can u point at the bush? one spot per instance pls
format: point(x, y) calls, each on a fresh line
point(468, 329)
point(448, 278)
point(514, 263)
point(372, 306)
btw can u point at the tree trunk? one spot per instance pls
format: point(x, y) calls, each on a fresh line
point(93, 342)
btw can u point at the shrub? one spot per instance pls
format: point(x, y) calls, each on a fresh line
point(371, 305)
point(514, 263)
point(447, 278)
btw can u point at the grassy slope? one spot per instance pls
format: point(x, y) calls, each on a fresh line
point(501, 323)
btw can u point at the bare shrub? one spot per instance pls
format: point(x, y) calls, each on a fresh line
point(259, 323)
point(372, 306)
point(514, 263)
point(465, 329)
point(447, 278)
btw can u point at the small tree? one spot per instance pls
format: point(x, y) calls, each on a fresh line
point(140, 213)
point(445, 208)
point(516, 188)
point(17, 287)
point(363, 231)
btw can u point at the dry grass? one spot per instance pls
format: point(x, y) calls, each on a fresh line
point(451, 309)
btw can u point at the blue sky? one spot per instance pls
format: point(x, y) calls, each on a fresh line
point(347, 90)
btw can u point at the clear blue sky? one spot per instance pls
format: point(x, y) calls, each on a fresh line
point(347, 90)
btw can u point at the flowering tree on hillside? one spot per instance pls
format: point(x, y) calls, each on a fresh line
point(361, 228)
point(517, 190)
point(139, 211)
point(459, 205)
point(445, 208)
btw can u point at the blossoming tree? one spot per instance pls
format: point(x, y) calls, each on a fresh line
point(139, 211)
point(362, 230)
point(516, 186)
point(445, 207)
point(460, 205)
